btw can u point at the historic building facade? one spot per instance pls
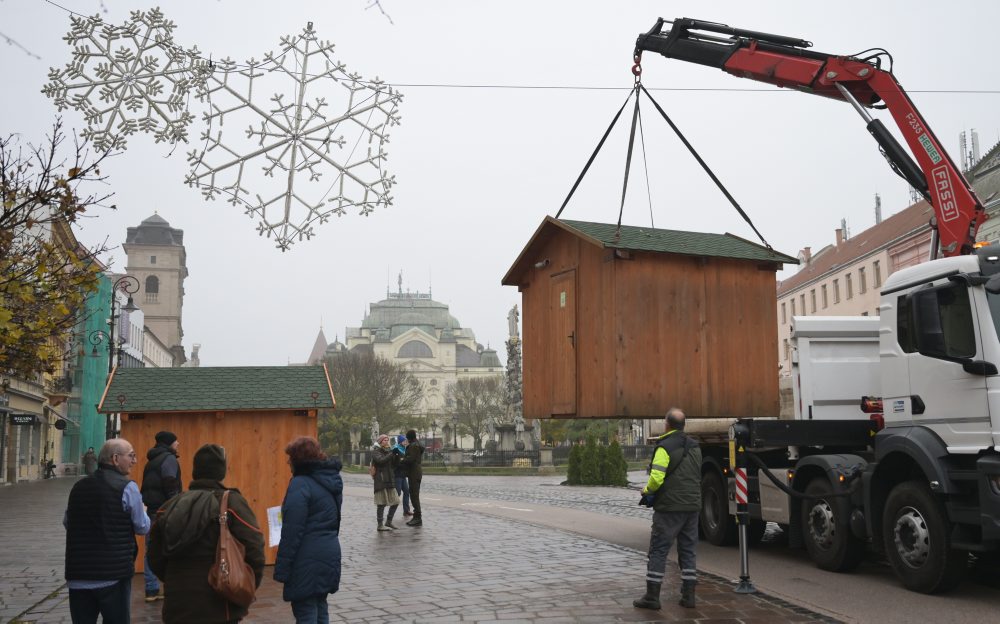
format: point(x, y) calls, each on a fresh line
point(413, 330)
point(844, 279)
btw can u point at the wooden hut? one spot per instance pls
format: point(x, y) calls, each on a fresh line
point(251, 411)
point(626, 324)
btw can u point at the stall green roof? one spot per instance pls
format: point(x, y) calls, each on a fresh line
point(217, 388)
point(629, 237)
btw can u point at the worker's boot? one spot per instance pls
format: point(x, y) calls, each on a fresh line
point(687, 595)
point(651, 599)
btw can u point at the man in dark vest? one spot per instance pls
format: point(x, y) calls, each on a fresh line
point(104, 515)
point(414, 473)
point(674, 493)
point(161, 481)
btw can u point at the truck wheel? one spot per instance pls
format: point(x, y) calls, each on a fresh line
point(718, 527)
point(828, 538)
point(917, 538)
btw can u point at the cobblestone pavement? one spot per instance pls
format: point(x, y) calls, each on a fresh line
point(463, 566)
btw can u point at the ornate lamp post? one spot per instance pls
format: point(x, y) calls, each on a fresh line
point(128, 285)
point(434, 426)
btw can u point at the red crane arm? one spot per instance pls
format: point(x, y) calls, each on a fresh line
point(787, 62)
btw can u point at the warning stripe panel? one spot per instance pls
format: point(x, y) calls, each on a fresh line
point(741, 486)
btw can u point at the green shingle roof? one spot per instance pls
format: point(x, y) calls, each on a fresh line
point(676, 241)
point(217, 388)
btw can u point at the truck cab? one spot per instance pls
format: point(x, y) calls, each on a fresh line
point(940, 349)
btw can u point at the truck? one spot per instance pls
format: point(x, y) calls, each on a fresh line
point(893, 447)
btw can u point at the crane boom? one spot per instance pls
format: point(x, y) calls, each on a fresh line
point(789, 62)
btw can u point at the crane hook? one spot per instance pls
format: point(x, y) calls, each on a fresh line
point(637, 67)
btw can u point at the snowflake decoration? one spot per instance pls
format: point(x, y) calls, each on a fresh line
point(319, 154)
point(140, 86)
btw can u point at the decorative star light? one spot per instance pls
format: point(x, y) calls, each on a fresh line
point(319, 154)
point(141, 85)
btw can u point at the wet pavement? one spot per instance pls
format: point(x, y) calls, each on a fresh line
point(461, 566)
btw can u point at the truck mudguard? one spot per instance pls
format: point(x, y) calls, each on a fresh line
point(832, 466)
point(923, 446)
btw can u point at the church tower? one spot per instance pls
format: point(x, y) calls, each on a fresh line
point(156, 257)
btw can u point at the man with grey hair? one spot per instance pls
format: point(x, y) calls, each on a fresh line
point(674, 492)
point(104, 515)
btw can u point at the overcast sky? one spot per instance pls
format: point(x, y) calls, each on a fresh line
point(477, 169)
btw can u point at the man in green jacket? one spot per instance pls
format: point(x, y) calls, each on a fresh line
point(675, 487)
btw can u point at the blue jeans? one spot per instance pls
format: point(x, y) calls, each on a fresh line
point(113, 603)
point(152, 584)
point(403, 487)
point(312, 610)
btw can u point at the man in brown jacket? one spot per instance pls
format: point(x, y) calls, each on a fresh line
point(184, 537)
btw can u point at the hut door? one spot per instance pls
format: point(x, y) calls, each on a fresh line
point(563, 361)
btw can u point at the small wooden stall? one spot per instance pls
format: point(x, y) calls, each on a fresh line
point(252, 411)
point(626, 324)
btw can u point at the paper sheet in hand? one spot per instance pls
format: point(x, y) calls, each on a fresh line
point(274, 526)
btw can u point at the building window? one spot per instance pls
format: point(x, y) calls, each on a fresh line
point(793, 306)
point(152, 259)
point(786, 348)
point(152, 289)
point(802, 303)
point(862, 281)
point(878, 274)
point(848, 286)
point(812, 301)
point(784, 319)
point(865, 313)
point(414, 349)
point(836, 291)
point(823, 294)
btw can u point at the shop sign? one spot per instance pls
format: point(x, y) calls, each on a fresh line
point(22, 419)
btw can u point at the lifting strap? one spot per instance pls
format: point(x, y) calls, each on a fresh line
point(705, 166)
point(628, 160)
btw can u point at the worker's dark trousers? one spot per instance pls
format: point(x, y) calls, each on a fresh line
point(668, 526)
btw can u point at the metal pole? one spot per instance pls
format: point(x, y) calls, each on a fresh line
point(109, 425)
point(737, 451)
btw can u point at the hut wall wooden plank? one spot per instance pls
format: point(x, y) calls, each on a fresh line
point(255, 449)
point(595, 328)
point(697, 333)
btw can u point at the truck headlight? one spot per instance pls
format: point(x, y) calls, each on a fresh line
point(994, 483)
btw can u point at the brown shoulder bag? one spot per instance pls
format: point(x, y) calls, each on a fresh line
point(230, 576)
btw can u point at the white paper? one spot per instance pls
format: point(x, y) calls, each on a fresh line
point(274, 525)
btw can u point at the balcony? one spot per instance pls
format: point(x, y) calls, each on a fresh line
point(58, 389)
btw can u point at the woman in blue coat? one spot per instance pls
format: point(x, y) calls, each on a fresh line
point(308, 560)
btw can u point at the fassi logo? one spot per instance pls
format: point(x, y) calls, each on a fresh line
point(945, 195)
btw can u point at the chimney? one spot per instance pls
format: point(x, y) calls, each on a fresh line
point(840, 236)
point(805, 255)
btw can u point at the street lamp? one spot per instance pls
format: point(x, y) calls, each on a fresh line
point(454, 427)
point(433, 431)
point(128, 285)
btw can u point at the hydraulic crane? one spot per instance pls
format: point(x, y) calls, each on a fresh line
point(856, 79)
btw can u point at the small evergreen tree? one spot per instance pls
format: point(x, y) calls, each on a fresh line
point(575, 459)
point(602, 465)
point(590, 469)
point(615, 467)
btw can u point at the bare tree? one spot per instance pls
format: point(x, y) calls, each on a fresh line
point(475, 401)
point(367, 386)
point(45, 274)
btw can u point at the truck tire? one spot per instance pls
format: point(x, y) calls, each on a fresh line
point(917, 537)
point(827, 537)
point(718, 527)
